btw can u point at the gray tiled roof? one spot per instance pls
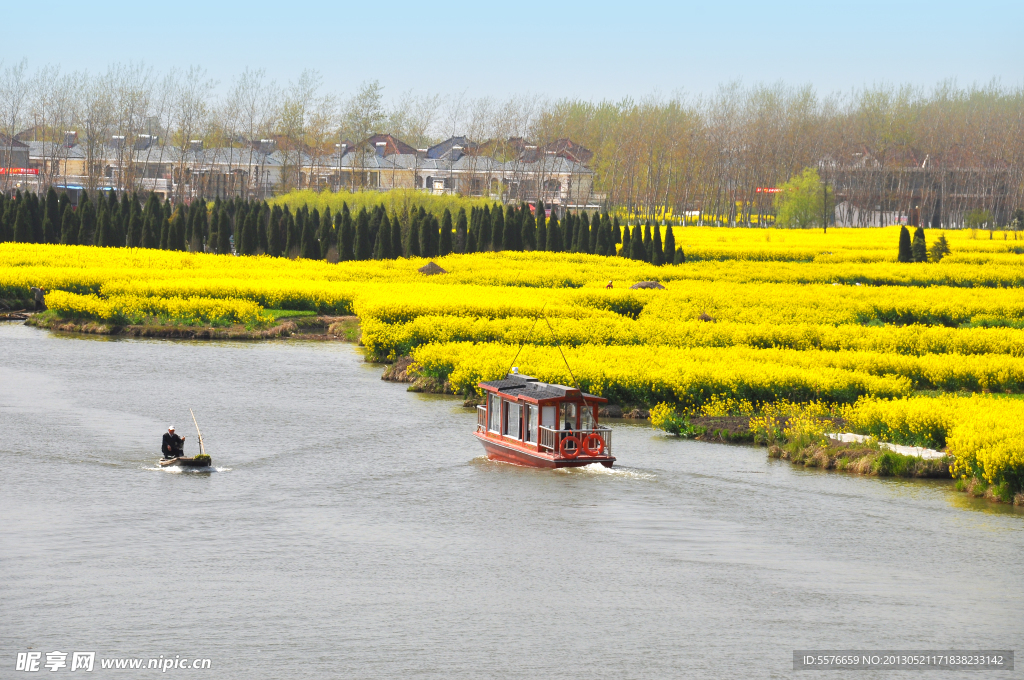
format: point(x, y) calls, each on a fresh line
point(46, 150)
point(526, 386)
point(483, 164)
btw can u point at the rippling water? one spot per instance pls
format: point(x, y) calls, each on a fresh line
point(354, 530)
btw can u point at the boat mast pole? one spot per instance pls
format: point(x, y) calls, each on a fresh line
point(202, 449)
point(559, 346)
point(525, 338)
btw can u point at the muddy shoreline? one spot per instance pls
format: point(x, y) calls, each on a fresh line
point(328, 328)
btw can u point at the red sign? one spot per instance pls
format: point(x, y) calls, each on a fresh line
point(19, 171)
point(767, 190)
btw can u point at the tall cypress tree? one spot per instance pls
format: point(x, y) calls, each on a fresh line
point(117, 233)
point(347, 236)
point(906, 253)
point(414, 237)
point(554, 235)
point(293, 245)
point(445, 245)
point(35, 208)
point(262, 228)
point(213, 239)
point(595, 233)
point(658, 255)
point(471, 240)
point(190, 225)
point(396, 236)
point(129, 207)
point(362, 246)
point(583, 234)
point(102, 234)
point(326, 235)
point(601, 242)
point(648, 243)
point(670, 244)
point(374, 224)
point(309, 247)
point(382, 244)
point(461, 229)
point(484, 237)
point(542, 230)
point(163, 227)
point(134, 237)
point(69, 228)
point(429, 234)
point(201, 227)
point(569, 232)
point(626, 248)
point(275, 239)
point(510, 235)
point(637, 247)
point(337, 234)
point(84, 237)
point(160, 235)
point(224, 232)
point(250, 239)
point(179, 229)
point(6, 232)
point(497, 228)
point(51, 218)
point(919, 248)
point(134, 228)
point(23, 223)
point(277, 228)
point(314, 224)
point(529, 236)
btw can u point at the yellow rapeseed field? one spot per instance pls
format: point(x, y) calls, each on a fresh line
point(922, 353)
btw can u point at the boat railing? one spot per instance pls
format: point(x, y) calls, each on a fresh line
point(550, 438)
point(481, 418)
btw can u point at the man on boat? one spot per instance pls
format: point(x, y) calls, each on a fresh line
point(173, 445)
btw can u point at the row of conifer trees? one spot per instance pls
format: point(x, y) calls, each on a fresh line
point(256, 227)
point(917, 250)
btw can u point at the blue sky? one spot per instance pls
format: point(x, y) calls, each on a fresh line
point(592, 50)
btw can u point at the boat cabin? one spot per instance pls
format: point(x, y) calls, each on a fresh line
point(533, 423)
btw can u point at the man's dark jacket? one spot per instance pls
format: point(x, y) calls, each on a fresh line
point(172, 444)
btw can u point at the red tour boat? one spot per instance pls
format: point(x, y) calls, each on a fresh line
point(527, 422)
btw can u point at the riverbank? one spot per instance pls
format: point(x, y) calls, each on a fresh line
point(343, 328)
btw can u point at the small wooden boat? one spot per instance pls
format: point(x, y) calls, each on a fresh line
point(527, 422)
point(197, 462)
point(200, 461)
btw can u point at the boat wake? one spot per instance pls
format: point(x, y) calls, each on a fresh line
point(598, 469)
point(176, 470)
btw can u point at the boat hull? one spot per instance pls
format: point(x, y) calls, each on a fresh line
point(184, 462)
point(508, 452)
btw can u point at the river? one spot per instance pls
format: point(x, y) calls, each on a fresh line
point(353, 529)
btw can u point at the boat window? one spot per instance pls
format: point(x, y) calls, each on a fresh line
point(586, 417)
point(547, 417)
point(530, 423)
point(494, 413)
point(567, 414)
point(512, 420)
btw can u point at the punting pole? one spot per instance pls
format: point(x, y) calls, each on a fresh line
point(202, 449)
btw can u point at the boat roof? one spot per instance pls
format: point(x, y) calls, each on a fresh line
point(531, 389)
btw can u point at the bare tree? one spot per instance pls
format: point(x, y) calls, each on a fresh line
point(362, 116)
point(190, 119)
point(14, 92)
